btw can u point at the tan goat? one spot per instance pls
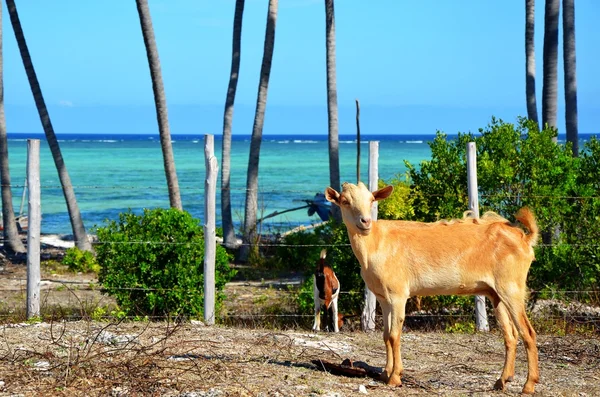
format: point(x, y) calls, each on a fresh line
point(486, 256)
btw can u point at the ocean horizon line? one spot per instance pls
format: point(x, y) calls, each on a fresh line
point(42, 135)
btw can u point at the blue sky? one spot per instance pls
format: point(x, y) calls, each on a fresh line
point(416, 66)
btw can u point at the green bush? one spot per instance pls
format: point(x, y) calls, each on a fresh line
point(80, 261)
point(576, 257)
point(400, 204)
point(299, 251)
point(518, 165)
point(153, 264)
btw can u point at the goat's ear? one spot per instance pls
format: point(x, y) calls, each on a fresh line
point(383, 193)
point(332, 196)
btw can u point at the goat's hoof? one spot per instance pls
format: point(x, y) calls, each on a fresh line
point(394, 380)
point(500, 384)
point(529, 388)
point(384, 376)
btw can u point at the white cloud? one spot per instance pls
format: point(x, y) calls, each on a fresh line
point(65, 103)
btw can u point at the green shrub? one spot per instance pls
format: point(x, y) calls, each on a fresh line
point(400, 204)
point(518, 165)
point(153, 264)
point(80, 261)
point(299, 251)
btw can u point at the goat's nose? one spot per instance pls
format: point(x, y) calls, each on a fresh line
point(365, 221)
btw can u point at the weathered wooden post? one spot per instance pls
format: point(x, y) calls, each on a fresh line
point(210, 240)
point(357, 141)
point(368, 314)
point(481, 321)
point(33, 231)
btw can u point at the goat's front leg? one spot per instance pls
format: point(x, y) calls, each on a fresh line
point(398, 308)
point(317, 323)
point(386, 310)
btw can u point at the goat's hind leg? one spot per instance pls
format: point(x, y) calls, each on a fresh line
point(516, 307)
point(334, 309)
point(511, 336)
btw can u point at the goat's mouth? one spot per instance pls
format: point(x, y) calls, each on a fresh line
point(364, 229)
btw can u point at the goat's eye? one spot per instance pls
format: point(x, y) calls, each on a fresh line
point(344, 202)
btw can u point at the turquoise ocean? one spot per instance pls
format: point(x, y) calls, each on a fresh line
point(114, 173)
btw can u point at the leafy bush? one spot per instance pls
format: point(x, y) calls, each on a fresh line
point(400, 204)
point(518, 165)
point(80, 261)
point(439, 185)
point(576, 257)
point(300, 251)
point(153, 264)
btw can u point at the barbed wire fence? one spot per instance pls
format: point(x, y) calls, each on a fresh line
point(565, 306)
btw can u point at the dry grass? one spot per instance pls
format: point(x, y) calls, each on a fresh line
point(166, 359)
point(188, 359)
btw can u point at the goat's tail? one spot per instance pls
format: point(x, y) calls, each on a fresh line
point(526, 217)
point(323, 253)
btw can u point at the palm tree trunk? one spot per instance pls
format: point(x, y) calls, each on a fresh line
point(332, 105)
point(12, 240)
point(81, 240)
point(160, 101)
point(570, 74)
point(532, 113)
point(550, 88)
point(251, 209)
point(227, 220)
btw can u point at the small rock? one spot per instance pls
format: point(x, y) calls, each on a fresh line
point(362, 389)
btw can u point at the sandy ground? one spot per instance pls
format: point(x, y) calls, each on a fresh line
point(189, 359)
point(90, 358)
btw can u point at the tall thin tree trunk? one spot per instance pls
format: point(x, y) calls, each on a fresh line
point(532, 112)
point(12, 240)
point(250, 233)
point(81, 240)
point(160, 102)
point(570, 74)
point(332, 105)
point(550, 88)
point(227, 219)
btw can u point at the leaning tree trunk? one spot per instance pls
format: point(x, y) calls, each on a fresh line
point(550, 88)
point(227, 219)
point(570, 74)
point(160, 102)
point(250, 233)
point(532, 113)
point(12, 240)
point(81, 240)
point(332, 105)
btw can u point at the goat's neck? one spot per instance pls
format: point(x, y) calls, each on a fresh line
point(361, 245)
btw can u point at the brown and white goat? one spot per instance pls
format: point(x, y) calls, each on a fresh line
point(487, 256)
point(326, 290)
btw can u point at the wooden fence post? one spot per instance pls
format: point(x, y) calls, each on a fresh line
point(481, 321)
point(33, 231)
point(210, 240)
point(368, 314)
